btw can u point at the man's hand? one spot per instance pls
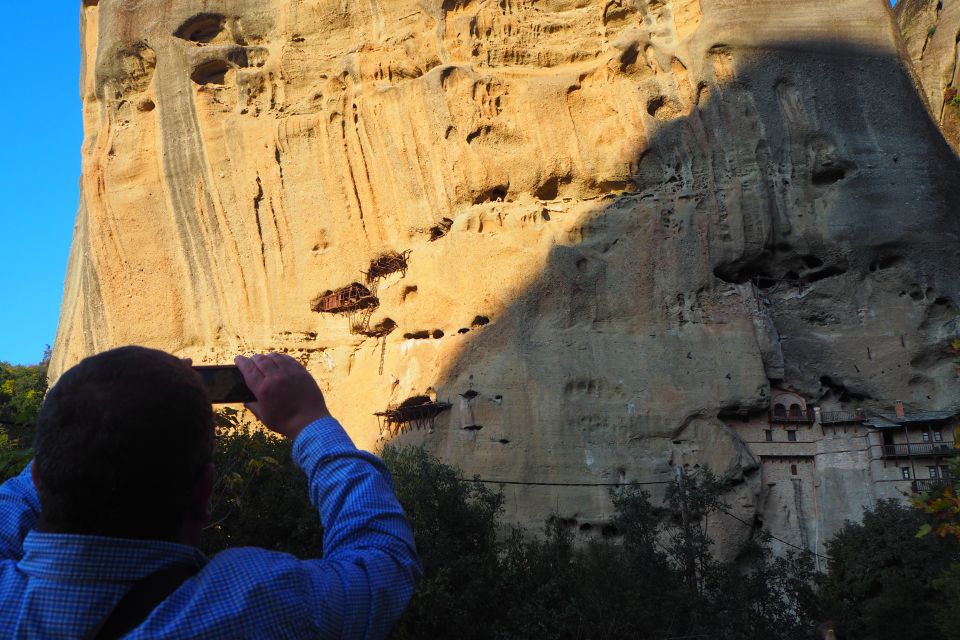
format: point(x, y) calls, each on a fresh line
point(288, 398)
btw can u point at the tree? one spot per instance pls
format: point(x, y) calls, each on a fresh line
point(484, 580)
point(22, 389)
point(455, 526)
point(881, 577)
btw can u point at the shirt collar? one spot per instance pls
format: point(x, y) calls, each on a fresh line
point(76, 558)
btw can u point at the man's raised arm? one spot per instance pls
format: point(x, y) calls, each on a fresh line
point(370, 564)
point(19, 510)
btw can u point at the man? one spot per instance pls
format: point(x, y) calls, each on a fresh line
point(99, 534)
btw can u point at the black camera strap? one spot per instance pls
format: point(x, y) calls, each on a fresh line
point(140, 601)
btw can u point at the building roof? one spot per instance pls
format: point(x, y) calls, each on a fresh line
point(893, 421)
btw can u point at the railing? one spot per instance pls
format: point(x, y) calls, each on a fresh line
point(837, 417)
point(928, 450)
point(793, 418)
point(933, 485)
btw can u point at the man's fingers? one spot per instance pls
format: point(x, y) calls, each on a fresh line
point(251, 372)
point(266, 363)
point(254, 408)
point(288, 363)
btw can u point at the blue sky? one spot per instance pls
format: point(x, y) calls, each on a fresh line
point(39, 171)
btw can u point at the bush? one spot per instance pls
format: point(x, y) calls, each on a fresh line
point(260, 498)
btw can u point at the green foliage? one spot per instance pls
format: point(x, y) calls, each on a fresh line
point(530, 587)
point(948, 616)
point(260, 498)
point(13, 458)
point(932, 30)
point(21, 391)
point(881, 578)
point(455, 526)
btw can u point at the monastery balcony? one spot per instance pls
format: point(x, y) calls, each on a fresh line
point(842, 417)
point(932, 485)
point(920, 450)
point(794, 417)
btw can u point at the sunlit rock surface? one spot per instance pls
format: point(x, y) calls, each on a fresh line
point(623, 219)
point(931, 31)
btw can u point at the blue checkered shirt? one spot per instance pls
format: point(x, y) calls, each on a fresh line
point(63, 586)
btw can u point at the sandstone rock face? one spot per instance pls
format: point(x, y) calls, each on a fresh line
point(624, 219)
point(931, 29)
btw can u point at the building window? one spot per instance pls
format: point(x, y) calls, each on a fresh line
point(792, 436)
point(937, 436)
point(945, 472)
point(795, 411)
point(926, 436)
point(793, 469)
point(933, 473)
point(779, 411)
point(768, 435)
point(906, 472)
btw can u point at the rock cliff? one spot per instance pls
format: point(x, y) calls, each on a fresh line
point(931, 29)
point(610, 225)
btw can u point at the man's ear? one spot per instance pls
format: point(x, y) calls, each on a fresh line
point(34, 474)
point(203, 492)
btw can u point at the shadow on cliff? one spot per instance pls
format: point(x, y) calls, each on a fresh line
point(811, 165)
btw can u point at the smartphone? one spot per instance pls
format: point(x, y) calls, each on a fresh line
point(225, 384)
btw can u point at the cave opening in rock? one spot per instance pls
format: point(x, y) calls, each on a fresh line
point(203, 28)
point(828, 175)
point(212, 72)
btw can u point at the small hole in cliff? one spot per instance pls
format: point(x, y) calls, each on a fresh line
point(440, 229)
point(586, 527)
point(91, 3)
point(885, 263)
point(812, 262)
point(463, 330)
point(609, 531)
point(408, 292)
point(549, 189)
point(655, 104)
point(496, 194)
point(417, 335)
point(827, 272)
point(437, 334)
point(480, 321)
point(476, 133)
point(503, 441)
point(943, 302)
point(828, 175)
point(146, 106)
point(473, 427)
point(213, 72)
point(663, 109)
point(202, 28)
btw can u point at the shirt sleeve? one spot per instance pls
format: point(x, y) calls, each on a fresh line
point(370, 563)
point(19, 510)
